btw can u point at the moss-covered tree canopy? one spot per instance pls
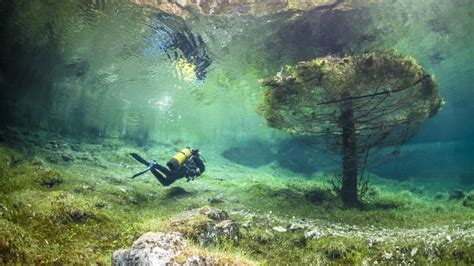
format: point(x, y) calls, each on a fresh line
point(360, 102)
point(384, 90)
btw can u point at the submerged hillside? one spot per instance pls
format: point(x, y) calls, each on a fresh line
point(65, 200)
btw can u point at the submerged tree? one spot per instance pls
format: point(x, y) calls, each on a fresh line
point(359, 103)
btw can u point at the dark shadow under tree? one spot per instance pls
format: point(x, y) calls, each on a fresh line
point(359, 103)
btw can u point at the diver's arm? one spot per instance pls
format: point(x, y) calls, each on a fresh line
point(200, 164)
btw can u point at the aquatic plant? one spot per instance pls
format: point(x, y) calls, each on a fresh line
point(358, 103)
point(96, 211)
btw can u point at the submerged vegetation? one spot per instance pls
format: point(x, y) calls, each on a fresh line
point(85, 83)
point(79, 208)
point(358, 103)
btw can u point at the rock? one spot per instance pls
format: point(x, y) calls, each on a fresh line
point(226, 229)
point(295, 226)
point(449, 239)
point(252, 154)
point(279, 229)
point(387, 255)
point(297, 155)
point(156, 249)
point(456, 194)
point(207, 225)
point(50, 181)
point(313, 234)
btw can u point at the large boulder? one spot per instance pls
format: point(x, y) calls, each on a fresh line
point(207, 225)
point(299, 155)
point(252, 154)
point(159, 249)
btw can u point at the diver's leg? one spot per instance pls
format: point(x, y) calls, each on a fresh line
point(163, 169)
point(164, 181)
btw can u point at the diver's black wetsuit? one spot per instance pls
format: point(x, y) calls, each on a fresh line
point(191, 168)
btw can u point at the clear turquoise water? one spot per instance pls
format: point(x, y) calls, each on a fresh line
point(103, 69)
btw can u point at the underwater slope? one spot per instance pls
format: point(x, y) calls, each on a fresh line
point(66, 201)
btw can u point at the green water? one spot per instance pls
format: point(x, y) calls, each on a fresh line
point(84, 83)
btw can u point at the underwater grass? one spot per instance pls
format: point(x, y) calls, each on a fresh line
point(62, 212)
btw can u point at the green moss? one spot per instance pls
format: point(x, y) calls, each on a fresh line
point(387, 202)
point(341, 250)
point(422, 252)
point(469, 200)
point(460, 251)
point(294, 248)
point(14, 243)
point(95, 211)
point(192, 227)
point(318, 196)
point(275, 248)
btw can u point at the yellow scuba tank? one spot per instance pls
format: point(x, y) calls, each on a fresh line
point(179, 159)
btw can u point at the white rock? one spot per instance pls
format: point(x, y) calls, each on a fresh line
point(387, 255)
point(311, 234)
point(279, 229)
point(151, 249)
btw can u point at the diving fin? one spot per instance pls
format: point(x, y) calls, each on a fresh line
point(149, 165)
point(141, 173)
point(140, 159)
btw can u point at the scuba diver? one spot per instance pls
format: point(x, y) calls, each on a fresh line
point(187, 163)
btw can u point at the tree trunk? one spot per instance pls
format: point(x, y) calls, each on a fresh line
point(349, 157)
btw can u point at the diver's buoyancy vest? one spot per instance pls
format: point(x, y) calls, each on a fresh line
point(179, 159)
